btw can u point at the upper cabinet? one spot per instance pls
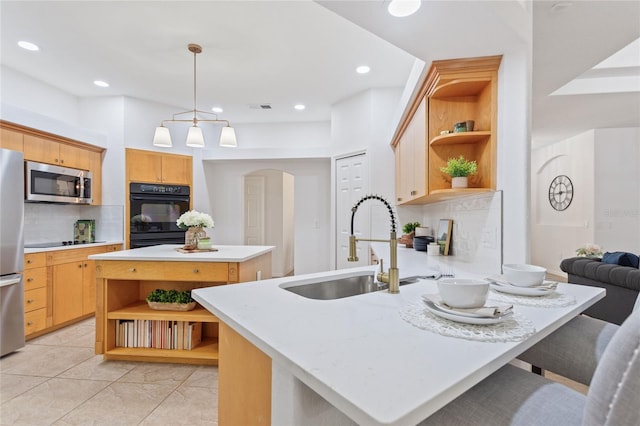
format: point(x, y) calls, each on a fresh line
point(454, 91)
point(48, 148)
point(411, 158)
point(155, 167)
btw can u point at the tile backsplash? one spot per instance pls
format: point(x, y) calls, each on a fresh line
point(476, 236)
point(54, 222)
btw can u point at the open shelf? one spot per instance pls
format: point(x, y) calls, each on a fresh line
point(460, 138)
point(205, 353)
point(140, 310)
point(460, 87)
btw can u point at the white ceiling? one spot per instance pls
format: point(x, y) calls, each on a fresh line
point(288, 52)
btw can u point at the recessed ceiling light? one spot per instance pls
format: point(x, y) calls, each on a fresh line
point(101, 83)
point(363, 69)
point(28, 45)
point(402, 8)
point(299, 107)
point(217, 110)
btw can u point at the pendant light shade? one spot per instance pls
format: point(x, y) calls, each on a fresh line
point(228, 137)
point(195, 138)
point(162, 137)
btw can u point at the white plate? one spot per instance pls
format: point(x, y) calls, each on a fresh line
point(431, 307)
point(444, 307)
point(521, 291)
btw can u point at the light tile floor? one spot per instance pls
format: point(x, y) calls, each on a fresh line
point(57, 380)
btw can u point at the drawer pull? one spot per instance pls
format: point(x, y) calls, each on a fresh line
point(132, 270)
point(80, 265)
point(85, 265)
point(30, 323)
point(195, 271)
point(29, 280)
point(29, 261)
point(30, 301)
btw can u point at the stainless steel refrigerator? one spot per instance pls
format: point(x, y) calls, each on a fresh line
point(11, 251)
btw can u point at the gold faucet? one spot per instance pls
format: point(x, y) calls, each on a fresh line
point(392, 277)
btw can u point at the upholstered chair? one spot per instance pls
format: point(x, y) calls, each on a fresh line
point(602, 355)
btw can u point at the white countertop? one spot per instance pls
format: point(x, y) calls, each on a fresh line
point(70, 247)
point(359, 355)
point(168, 253)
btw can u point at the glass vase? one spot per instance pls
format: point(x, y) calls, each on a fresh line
point(191, 237)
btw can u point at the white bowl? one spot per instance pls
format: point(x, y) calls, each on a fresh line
point(523, 275)
point(463, 293)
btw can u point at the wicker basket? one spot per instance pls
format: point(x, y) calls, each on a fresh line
point(172, 306)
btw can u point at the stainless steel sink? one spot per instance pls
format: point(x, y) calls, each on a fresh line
point(337, 287)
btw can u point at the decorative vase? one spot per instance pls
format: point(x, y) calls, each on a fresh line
point(191, 237)
point(459, 182)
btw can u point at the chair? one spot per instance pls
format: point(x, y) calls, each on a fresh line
point(602, 355)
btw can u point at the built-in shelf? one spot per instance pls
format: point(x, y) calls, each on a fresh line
point(460, 138)
point(205, 353)
point(142, 311)
point(460, 87)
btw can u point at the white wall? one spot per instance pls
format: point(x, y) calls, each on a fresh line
point(556, 235)
point(312, 215)
point(617, 189)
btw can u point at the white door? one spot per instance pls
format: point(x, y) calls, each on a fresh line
point(352, 183)
point(254, 210)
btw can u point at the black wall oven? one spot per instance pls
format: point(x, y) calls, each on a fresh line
point(154, 210)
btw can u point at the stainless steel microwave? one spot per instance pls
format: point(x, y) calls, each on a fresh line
point(55, 184)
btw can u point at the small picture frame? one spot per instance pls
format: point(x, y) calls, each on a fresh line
point(443, 238)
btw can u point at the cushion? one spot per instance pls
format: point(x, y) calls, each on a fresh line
point(621, 258)
point(594, 269)
point(614, 394)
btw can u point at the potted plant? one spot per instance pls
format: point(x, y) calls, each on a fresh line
point(459, 169)
point(194, 222)
point(408, 232)
point(170, 300)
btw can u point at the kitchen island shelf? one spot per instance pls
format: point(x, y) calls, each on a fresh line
point(460, 138)
point(206, 353)
point(141, 310)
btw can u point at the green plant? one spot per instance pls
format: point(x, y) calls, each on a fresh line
point(410, 227)
point(170, 296)
point(460, 167)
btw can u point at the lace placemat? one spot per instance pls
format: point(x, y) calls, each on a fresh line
point(514, 329)
point(551, 300)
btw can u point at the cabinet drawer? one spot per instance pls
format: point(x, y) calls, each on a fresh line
point(35, 299)
point(35, 278)
point(35, 321)
point(35, 260)
point(170, 271)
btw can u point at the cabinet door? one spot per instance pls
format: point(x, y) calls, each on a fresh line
point(67, 291)
point(95, 166)
point(88, 287)
point(41, 150)
point(10, 139)
point(176, 170)
point(144, 166)
point(418, 142)
point(73, 156)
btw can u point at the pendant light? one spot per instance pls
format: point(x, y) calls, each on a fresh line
point(195, 138)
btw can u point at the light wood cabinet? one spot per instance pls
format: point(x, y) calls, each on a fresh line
point(154, 167)
point(453, 91)
point(45, 150)
point(36, 293)
point(11, 139)
point(411, 158)
point(48, 148)
point(60, 288)
point(124, 285)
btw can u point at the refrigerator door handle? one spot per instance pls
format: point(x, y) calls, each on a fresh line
point(10, 280)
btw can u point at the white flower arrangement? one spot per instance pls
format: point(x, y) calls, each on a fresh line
point(590, 250)
point(194, 218)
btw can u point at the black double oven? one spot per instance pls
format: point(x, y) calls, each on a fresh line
point(154, 210)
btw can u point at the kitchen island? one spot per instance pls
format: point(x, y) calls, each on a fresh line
point(352, 360)
point(125, 278)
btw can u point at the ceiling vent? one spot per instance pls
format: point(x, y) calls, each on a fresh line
point(260, 106)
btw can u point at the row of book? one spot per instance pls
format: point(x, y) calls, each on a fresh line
point(160, 334)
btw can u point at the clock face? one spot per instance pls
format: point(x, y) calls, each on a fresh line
point(560, 192)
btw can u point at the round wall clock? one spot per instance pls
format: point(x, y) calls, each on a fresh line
point(560, 192)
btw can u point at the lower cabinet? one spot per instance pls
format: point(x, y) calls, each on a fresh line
point(60, 288)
